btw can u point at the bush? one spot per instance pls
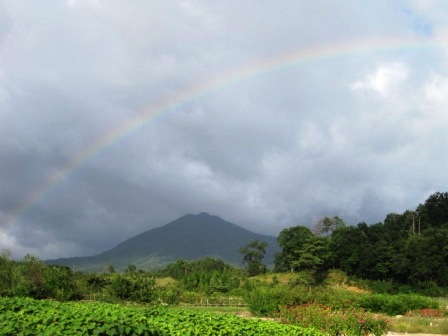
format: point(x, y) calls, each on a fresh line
point(430, 289)
point(190, 297)
point(334, 297)
point(264, 301)
point(395, 304)
point(333, 322)
point(168, 295)
point(267, 301)
point(138, 288)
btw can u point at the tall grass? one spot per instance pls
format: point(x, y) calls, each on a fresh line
point(419, 325)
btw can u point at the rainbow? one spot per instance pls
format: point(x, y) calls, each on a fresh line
point(201, 89)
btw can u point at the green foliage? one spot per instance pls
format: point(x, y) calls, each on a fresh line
point(291, 240)
point(32, 278)
point(207, 275)
point(254, 253)
point(311, 255)
point(93, 283)
point(265, 301)
point(9, 275)
point(430, 288)
point(195, 323)
point(139, 287)
point(169, 295)
point(21, 316)
point(333, 322)
point(393, 252)
point(59, 283)
point(338, 298)
point(395, 304)
point(434, 212)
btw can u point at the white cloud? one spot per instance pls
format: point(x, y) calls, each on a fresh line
point(384, 79)
point(436, 90)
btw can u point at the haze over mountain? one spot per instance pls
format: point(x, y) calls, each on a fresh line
point(188, 237)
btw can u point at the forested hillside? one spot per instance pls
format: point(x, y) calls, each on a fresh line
point(408, 248)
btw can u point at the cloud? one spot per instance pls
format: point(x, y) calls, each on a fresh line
point(436, 90)
point(354, 133)
point(384, 79)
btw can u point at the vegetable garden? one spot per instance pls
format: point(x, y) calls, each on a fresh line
point(24, 316)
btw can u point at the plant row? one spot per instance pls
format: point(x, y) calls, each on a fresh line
point(24, 316)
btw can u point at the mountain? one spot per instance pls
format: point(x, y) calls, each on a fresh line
point(189, 237)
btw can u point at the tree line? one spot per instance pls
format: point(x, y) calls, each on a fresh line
point(409, 248)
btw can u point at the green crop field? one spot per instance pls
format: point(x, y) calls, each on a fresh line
point(23, 316)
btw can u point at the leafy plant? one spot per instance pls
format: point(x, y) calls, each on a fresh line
point(23, 316)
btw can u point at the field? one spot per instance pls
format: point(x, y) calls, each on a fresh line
point(22, 316)
point(207, 297)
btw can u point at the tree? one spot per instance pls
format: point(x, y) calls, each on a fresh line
point(9, 274)
point(427, 257)
point(59, 283)
point(291, 240)
point(137, 287)
point(131, 269)
point(312, 255)
point(435, 210)
point(32, 271)
point(110, 269)
point(253, 254)
point(351, 249)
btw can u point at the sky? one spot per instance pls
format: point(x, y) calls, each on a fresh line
point(120, 116)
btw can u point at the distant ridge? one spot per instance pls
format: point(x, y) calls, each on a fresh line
point(189, 237)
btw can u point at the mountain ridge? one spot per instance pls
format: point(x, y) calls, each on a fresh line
point(189, 237)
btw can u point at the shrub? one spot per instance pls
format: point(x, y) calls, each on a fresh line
point(168, 295)
point(138, 288)
point(334, 297)
point(266, 301)
point(395, 304)
point(430, 289)
point(333, 322)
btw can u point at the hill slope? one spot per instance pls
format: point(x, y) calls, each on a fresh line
point(189, 237)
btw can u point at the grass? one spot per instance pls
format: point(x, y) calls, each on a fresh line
point(443, 302)
point(167, 281)
point(272, 278)
point(213, 309)
point(419, 325)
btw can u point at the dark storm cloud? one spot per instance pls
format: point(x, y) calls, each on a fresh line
point(355, 134)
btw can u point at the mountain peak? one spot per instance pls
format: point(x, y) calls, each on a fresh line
point(189, 237)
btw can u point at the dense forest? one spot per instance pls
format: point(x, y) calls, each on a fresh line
point(408, 249)
point(408, 252)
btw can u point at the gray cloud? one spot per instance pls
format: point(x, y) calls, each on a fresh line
point(358, 133)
